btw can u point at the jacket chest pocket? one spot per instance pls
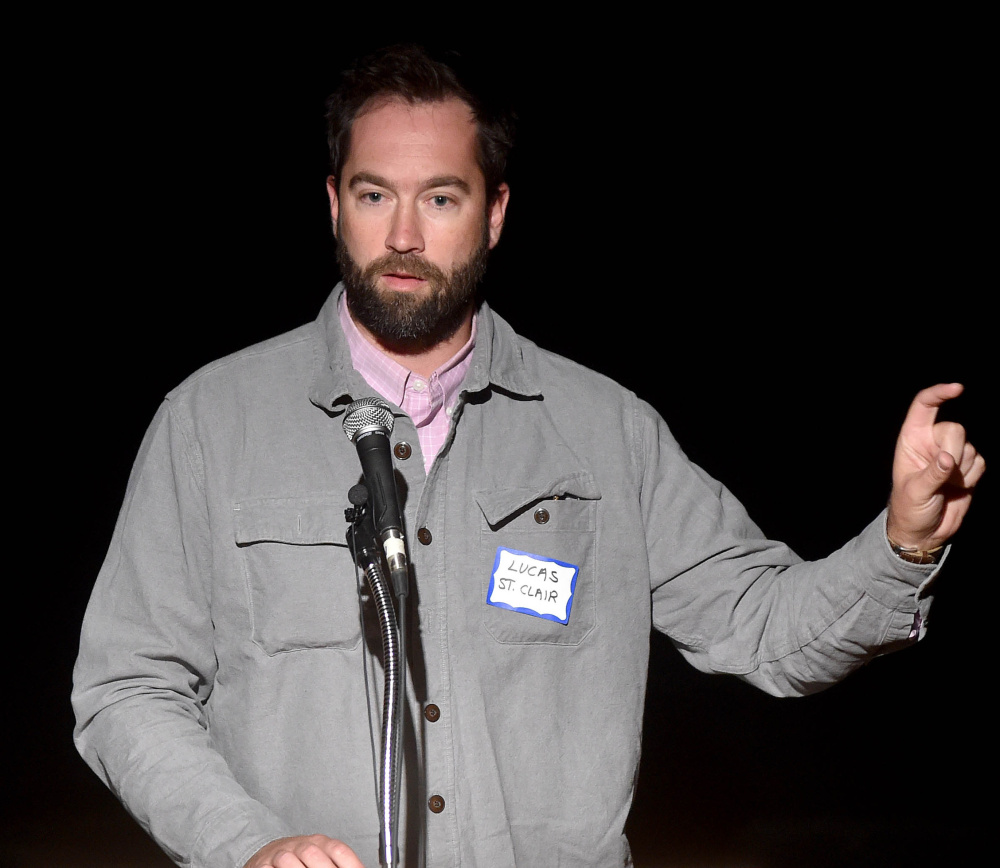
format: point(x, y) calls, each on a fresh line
point(300, 577)
point(551, 527)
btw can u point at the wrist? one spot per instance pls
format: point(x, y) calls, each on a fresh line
point(910, 547)
point(915, 554)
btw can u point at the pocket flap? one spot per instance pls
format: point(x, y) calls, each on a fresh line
point(310, 520)
point(500, 504)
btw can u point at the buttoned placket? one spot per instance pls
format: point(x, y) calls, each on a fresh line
point(439, 772)
point(436, 758)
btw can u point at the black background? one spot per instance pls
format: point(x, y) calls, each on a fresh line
point(772, 230)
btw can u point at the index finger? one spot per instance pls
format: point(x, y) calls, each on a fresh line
point(923, 410)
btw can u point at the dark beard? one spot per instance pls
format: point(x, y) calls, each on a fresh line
point(404, 322)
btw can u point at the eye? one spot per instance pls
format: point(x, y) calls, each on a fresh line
point(440, 201)
point(372, 198)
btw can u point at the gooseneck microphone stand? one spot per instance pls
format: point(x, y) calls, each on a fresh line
point(377, 543)
point(361, 539)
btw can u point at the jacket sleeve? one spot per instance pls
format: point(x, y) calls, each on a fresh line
point(146, 667)
point(735, 602)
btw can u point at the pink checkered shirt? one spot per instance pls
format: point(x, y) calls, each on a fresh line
point(428, 402)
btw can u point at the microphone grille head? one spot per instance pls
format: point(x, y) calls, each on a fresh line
point(368, 414)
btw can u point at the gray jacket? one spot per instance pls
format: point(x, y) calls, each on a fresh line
point(220, 688)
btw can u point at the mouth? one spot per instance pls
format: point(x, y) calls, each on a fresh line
point(403, 280)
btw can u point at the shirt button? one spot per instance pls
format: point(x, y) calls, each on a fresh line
point(436, 804)
point(432, 713)
point(541, 515)
point(419, 385)
point(424, 536)
point(402, 450)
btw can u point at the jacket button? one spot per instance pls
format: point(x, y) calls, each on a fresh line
point(402, 450)
point(436, 804)
point(432, 713)
point(541, 515)
point(424, 536)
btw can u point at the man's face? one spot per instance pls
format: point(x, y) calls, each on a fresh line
point(412, 221)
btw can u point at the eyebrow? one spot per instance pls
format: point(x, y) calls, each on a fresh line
point(369, 178)
point(448, 181)
point(437, 181)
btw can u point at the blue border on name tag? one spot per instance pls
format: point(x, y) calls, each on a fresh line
point(533, 612)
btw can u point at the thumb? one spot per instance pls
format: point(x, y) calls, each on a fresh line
point(936, 474)
point(944, 465)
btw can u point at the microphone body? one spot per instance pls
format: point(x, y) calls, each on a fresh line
point(368, 424)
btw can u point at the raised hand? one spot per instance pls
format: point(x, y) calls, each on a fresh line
point(934, 471)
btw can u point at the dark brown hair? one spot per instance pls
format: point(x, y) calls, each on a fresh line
point(410, 73)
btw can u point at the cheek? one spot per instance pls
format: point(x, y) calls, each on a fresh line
point(361, 239)
point(461, 243)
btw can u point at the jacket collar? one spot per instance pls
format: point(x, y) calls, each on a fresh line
point(497, 360)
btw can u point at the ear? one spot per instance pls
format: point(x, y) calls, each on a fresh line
point(331, 191)
point(497, 210)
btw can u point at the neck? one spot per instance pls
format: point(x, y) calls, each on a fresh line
point(426, 360)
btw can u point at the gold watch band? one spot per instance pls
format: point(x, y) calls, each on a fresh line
point(913, 555)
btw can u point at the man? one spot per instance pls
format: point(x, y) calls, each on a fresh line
point(221, 688)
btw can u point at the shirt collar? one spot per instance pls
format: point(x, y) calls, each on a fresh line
point(389, 378)
point(497, 359)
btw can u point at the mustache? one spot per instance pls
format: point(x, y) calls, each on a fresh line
point(409, 263)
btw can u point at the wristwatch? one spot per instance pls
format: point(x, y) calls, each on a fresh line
point(913, 555)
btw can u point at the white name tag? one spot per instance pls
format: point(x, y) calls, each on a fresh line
point(532, 584)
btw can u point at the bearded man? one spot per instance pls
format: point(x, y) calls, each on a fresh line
point(223, 676)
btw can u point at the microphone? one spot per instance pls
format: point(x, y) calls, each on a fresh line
point(368, 423)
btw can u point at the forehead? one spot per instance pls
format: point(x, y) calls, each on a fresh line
point(403, 141)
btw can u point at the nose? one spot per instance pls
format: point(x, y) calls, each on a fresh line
point(404, 232)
